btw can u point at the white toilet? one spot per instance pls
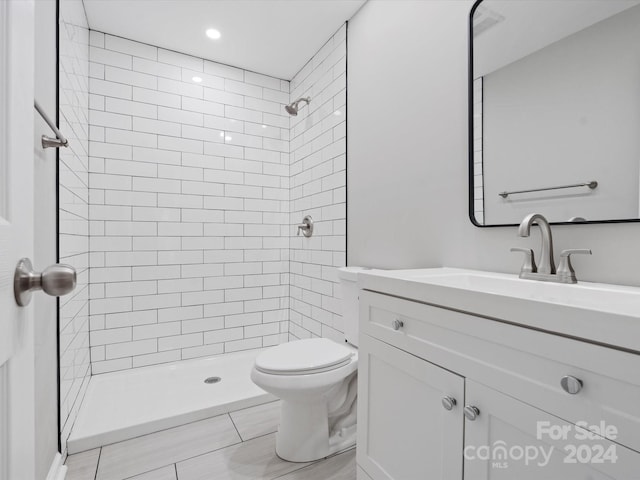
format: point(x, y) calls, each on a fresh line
point(316, 379)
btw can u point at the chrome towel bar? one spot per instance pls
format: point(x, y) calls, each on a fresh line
point(47, 142)
point(593, 184)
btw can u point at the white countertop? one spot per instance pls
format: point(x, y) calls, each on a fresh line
point(600, 313)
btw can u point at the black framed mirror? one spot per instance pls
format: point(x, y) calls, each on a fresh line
point(554, 111)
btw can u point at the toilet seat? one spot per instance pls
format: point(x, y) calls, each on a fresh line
point(304, 357)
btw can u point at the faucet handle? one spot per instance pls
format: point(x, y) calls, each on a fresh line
point(306, 226)
point(529, 265)
point(565, 269)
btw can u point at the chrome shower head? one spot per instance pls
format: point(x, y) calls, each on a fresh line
point(293, 108)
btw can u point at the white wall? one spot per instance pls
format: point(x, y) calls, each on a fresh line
point(549, 121)
point(74, 209)
point(318, 176)
point(407, 150)
point(189, 188)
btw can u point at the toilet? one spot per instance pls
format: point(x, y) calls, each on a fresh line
point(316, 380)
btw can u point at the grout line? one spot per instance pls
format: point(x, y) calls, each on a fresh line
point(158, 467)
point(95, 476)
point(235, 426)
point(322, 460)
point(254, 406)
point(199, 455)
point(297, 469)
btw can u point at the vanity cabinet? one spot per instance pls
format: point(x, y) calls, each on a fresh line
point(412, 355)
point(405, 432)
point(505, 422)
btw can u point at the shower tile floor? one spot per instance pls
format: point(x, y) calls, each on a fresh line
point(239, 445)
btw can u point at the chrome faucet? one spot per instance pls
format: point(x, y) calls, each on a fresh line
point(547, 265)
point(547, 270)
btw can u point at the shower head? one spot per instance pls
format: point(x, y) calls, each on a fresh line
point(293, 108)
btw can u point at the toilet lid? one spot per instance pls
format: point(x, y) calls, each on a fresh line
point(303, 356)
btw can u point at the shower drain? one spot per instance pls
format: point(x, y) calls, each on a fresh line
point(212, 380)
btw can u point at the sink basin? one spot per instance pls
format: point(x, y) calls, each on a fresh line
point(601, 313)
point(606, 298)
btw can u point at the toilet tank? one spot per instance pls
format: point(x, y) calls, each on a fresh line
point(350, 312)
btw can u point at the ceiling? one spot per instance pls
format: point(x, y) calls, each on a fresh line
point(530, 25)
point(272, 37)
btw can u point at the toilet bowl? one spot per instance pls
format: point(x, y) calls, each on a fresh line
point(316, 380)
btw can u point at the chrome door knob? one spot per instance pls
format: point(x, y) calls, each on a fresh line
point(448, 402)
point(397, 324)
point(571, 385)
point(55, 280)
point(471, 412)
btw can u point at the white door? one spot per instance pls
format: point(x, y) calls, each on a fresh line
point(16, 237)
point(510, 439)
point(404, 431)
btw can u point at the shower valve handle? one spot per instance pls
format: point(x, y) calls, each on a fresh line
point(306, 226)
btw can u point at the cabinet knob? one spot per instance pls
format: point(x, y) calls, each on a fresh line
point(471, 412)
point(448, 402)
point(397, 324)
point(571, 385)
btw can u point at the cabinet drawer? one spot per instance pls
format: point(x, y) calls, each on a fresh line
point(524, 363)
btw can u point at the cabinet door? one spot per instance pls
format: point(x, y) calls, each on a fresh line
point(404, 432)
point(510, 440)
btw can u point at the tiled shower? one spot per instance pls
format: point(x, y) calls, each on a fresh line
point(179, 201)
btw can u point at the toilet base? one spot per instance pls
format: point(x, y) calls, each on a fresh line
point(303, 433)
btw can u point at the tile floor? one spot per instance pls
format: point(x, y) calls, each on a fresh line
point(235, 446)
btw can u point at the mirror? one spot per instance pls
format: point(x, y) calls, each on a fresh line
point(554, 111)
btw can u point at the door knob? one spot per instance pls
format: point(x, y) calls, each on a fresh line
point(55, 280)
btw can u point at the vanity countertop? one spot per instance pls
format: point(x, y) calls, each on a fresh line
point(600, 313)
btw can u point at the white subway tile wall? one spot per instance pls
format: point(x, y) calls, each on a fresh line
point(478, 176)
point(189, 206)
point(318, 188)
point(74, 209)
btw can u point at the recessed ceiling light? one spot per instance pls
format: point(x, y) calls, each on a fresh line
point(337, 113)
point(197, 79)
point(213, 33)
point(264, 126)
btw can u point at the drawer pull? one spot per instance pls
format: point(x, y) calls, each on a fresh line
point(397, 324)
point(448, 402)
point(471, 412)
point(571, 385)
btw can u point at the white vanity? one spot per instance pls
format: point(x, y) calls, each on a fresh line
point(477, 375)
